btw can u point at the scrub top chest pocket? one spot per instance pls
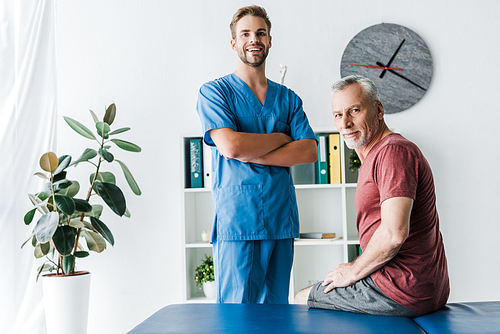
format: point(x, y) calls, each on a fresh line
point(240, 212)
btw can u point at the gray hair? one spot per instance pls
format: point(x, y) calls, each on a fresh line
point(369, 87)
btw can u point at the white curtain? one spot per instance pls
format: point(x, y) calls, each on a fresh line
point(27, 130)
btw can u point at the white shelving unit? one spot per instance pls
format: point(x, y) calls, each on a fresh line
point(322, 208)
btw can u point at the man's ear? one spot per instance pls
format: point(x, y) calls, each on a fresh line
point(270, 44)
point(380, 110)
point(233, 44)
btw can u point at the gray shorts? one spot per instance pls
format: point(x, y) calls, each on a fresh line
point(362, 297)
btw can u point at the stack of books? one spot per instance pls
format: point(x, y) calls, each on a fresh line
point(319, 235)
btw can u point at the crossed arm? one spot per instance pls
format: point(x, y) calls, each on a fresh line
point(382, 247)
point(274, 149)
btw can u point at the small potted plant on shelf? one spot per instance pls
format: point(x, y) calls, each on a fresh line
point(204, 276)
point(355, 162)
point(67, 219)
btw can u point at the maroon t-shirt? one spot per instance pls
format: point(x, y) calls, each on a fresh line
point(417, 277)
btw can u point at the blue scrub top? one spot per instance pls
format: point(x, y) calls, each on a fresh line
point(252, 201)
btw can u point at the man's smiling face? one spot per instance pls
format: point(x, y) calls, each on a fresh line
point(252, 40)
point(356, 118)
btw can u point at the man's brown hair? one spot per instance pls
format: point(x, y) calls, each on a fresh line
point(249, 10)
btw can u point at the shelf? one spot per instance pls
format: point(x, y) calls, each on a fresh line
point(322, 207)
point(200, 244)
point(197, 190)
point(318, 242)
point(199, 297)
point(325, 186)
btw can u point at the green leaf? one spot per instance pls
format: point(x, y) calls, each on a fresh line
point(81, 254)
point(113, 197)
point(46, 226)
point(40, 204)
point(94, 117)
point(79, 128)
point(127, 213)
point(64, 239)
point(42, 196)
point(45, 248)
point(106, 155)
point(104, 177)
point(96, 211)
point(28, 217)
point(31, 237)
point(42, 175)
point(86, 156)
point(103, 129)
point(103, 230)
point(64, 162)
point(109, 117)
point(68, 263)
point(38, 252)
point(88, 226)
point(82, 205)
point(127, 146)
point(59, 176)
point(117, 131)
point(95, 242)
point(72, 190)
point(130, 179)
point(62, 184)
point(42, 268)
point(65, 203)
point(76, 223)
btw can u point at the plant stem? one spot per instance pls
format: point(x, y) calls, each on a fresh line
point(75, 248)
point(59, 263)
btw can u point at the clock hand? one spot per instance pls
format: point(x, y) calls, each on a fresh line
point(392, 58)
point(399, 75)
point(381, 67)
point(402, 77)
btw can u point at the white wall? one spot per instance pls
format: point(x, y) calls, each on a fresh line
point(150, 57)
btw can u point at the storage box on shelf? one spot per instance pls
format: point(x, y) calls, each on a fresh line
point(322, 208)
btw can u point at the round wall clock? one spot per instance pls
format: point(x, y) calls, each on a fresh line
point(395, 58)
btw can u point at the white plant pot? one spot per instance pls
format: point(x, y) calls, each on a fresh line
point(66, 300)
point(209, 289)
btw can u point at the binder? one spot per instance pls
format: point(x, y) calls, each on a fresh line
point(207, 166)
point(196, 162)
point(322, 162)
point(334, 158)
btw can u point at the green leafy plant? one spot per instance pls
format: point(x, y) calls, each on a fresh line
point(355, 162)
point(205, 271)
point(66, 219)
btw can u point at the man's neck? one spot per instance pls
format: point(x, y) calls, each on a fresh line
point(382, 132)
point(254, 77)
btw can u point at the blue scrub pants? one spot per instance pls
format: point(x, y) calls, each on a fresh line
point(253, 271)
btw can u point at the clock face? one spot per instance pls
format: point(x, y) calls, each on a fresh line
point(395, 58)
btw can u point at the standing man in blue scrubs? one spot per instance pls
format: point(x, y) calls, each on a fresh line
point(257, 130)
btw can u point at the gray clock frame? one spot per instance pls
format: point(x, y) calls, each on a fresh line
point(375, 46)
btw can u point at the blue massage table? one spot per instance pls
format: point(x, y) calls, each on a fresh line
point(465, 318)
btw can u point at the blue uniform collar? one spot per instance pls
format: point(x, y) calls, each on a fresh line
point(270, 94)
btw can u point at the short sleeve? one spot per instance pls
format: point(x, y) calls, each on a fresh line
point(213, 110)
point(396, 173)
point(299, 124)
